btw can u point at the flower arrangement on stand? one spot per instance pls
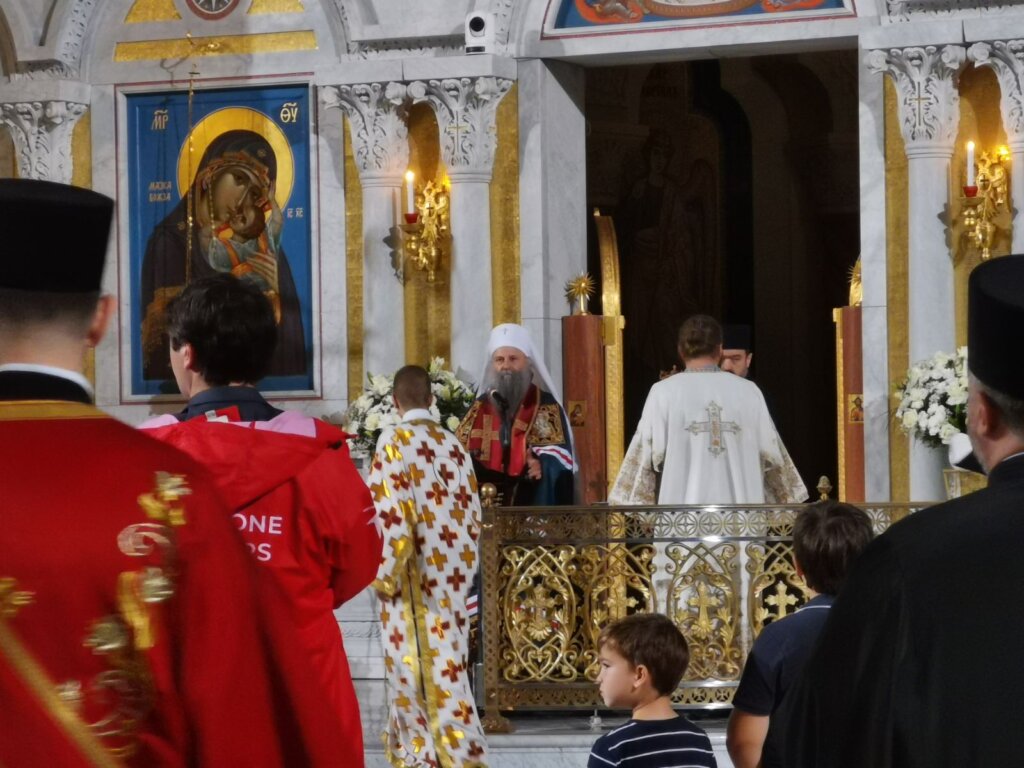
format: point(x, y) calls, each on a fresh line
point(374, 410)
point(933, 398)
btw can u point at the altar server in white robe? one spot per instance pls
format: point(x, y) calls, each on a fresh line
point(426, 497)
point(706, 434)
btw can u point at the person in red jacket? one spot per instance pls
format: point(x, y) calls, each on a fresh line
point(298, 500)
point(134, 628)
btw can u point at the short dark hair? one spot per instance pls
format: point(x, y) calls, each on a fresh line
point(412, 387)
point(828, 536)
point(653, 640)
point(230, 325)
point(1010, 408)
point(699, 336)
point(71, 312)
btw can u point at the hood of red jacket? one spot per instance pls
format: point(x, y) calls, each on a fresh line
point(247, 463)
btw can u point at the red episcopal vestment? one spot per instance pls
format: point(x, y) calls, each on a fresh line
point(132, 626)
point(308, 520)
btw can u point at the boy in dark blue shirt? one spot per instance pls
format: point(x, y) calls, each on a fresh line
point(827, 538)
point(643, 658)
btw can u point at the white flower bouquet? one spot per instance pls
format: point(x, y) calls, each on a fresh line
point(933, 398)
point(374, 409)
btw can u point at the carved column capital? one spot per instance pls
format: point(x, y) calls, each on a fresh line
point(926, 84)
point(377, 113)
point(466, 108)
point(1006, 59)
point(42, 136)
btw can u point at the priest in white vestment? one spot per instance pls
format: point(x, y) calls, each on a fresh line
point(425, 493)
point(706, 434)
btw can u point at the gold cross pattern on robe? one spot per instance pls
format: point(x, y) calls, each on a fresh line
point(715, 428)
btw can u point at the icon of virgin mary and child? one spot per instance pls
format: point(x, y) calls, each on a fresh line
point(236, 228)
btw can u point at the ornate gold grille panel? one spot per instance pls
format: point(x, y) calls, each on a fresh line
point(552, 578)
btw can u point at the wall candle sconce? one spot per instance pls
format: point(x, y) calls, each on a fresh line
point(984, 213)
point(426, 228)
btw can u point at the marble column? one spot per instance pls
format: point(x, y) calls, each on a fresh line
point(874, 307)
point(1006, 59)
point(376, 113)
point(929, 110)
point(552, 198)
point(466, 108)
point(40, 116)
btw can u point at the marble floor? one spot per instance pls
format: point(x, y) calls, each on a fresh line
point(543, 741)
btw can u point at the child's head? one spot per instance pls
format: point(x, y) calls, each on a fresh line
point(638, 654)
point(827, 537)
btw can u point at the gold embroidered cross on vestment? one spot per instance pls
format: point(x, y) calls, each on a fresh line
point(715, 428)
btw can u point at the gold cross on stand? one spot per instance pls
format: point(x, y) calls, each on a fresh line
point(715, 428)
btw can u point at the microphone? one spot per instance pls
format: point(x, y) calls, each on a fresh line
point(499, 398)
point(504, 433)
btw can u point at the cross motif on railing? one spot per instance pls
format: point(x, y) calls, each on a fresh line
point(702, 601)
point(715, 428)
point(781, 600)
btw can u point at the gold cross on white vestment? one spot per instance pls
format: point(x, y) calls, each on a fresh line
point(715, 428)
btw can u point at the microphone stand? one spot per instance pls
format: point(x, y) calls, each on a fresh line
point(505, 437)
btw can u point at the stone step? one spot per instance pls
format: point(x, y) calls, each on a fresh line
point(552, 742)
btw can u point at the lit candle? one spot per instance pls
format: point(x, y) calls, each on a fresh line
point(970, 163)
point(410, 195)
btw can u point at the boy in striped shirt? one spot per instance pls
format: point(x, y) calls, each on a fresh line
point(643, 658)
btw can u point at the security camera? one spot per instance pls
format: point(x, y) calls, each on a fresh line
point(480, 32)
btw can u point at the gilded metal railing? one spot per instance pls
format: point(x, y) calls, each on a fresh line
point(552, 578)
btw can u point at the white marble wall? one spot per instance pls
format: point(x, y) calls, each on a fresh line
point(552, 198)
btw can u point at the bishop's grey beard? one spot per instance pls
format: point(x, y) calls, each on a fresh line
point(511, 385)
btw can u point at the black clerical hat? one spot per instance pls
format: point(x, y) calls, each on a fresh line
point(995, 324)
point(736, 337)
point(55, 236)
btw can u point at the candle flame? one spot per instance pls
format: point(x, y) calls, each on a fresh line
point(970, 145)
point(409, 175)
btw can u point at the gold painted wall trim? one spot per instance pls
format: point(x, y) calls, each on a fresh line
point(152, 10)
point(230, 45)
point(275, 6)
point(427, 307)
point(504, 202)
point(837, 321)
point(81, 176)
point(353, 266)
point(897, 248)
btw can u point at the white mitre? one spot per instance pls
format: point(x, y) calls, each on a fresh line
point(512, 335)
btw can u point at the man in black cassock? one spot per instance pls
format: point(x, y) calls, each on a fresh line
point(920, 661)
point(736, 350)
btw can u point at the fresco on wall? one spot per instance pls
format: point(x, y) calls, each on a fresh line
point(230, 195)
point(589, 15)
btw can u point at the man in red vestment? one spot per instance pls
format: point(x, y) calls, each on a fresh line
point(516, 431)
point(301, 506)
point(133, 628)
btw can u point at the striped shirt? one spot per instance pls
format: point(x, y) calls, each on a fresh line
point(672, 743)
